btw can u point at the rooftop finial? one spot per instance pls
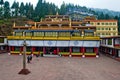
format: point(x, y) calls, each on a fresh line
point(14, 24)
point(57, 13)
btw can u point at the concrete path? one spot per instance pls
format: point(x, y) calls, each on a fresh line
point(60, 68)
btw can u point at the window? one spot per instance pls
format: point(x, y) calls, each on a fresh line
point(98, 33)
point(106, 23)
point(89, 50)
point(109, 41)
point(114, 28)
point(64, 34)
point(114, 23)
point(1, 40)
point(17, 48)
point(75, 49)
point(64, 49)
point(39, 49)
point(89, 34)
point(51, 34)
point(38, 33)
point(114, 33)
point(98, 28)
point(103, 33)
point(91, 23)
point(28, 49)
point(102, 23)
point(18, 34)
point(110, 23)
point(102, 28)
point(28, 34)
point(106, 28)
point(98, 23)
point(76, 34)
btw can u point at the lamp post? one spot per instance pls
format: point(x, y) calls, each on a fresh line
point(24, 70)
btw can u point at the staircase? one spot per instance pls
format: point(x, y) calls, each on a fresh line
point(50, 55)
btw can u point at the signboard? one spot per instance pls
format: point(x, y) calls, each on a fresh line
point(62, 43)
point(13, 42)
point(76, 43)
point(36, 43)
point(90, 43)
point(50, 43)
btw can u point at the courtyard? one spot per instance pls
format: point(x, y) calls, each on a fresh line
point(60, 68)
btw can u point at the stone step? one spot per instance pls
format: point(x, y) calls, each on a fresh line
point(50, 55)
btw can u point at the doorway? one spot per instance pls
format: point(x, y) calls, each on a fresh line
point(51, 50)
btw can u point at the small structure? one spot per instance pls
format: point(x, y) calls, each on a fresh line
point(111, 46)
point(3, 44)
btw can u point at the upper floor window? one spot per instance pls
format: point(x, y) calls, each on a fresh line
point(98, 28)
point(106, 28)
point(98, 23)
point(106, 23)
point(102, 23)
point(114, 28)
point(114, 23)
point(102, 28)
point(110, 23)
point(91, 23)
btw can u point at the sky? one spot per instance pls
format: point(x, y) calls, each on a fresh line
point(102, 4)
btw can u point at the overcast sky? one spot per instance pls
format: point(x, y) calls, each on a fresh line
point(103, 4)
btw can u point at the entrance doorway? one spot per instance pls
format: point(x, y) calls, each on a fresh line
point(51, 50)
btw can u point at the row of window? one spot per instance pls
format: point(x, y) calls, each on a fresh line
point(109, 41)
point(106, 28)
point(105, 23)
point(54, 34)
point(106, 33)
point(61, 49)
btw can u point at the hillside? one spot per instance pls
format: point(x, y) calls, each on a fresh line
point(9, 14)
point(6, 25)
point(106, 11)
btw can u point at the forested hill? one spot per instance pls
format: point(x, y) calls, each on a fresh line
point(8, 13)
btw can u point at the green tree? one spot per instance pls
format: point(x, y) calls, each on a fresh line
point(107, 16)
point(39, 10)
point(1, 2)
point(63, 9)
point(15, 7)
point(6, 9)
point(21, 9)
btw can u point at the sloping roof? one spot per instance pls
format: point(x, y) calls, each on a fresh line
point(110, 37)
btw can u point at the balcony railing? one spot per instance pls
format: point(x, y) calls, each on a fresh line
point(54, 38)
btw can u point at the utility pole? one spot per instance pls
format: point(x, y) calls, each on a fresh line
point(24, 70)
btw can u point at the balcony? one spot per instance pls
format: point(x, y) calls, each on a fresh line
point(54, 38)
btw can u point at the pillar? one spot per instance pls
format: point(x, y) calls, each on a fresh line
point(113, 52)
point(13, 48)
point(44, 50)
point(21, 50)
point(57, 50)
point(83, 51)
point(96, 51)
point(70, 50)
point(35, 25)
point(82, 32)
point(32, 50)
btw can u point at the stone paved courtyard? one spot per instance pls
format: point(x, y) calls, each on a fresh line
point(60, 68)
